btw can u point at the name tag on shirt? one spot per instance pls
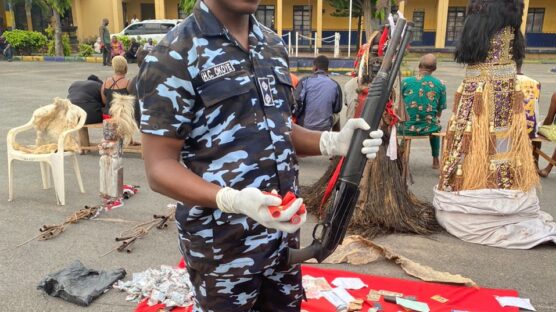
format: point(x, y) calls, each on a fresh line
point(266, 92)
point(216, 71)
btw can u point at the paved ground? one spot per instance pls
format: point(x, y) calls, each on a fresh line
point(26, 86)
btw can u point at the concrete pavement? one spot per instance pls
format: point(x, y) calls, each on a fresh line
point(26, 86)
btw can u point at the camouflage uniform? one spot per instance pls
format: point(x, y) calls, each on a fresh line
point(232, 109)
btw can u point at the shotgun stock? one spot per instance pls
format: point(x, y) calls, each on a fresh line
point(329, 233)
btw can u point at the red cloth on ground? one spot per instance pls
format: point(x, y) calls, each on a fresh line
point(460, 298)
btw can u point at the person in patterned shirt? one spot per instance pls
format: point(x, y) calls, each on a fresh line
point(424, 97)
point(215, 97)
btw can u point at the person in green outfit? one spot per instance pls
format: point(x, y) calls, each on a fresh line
point(424, 97)
point(104, 34)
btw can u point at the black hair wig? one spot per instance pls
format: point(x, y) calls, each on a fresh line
point(484, 19)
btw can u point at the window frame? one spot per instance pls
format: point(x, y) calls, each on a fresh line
point(265, 10)
point(418, 29)
point(534, 14)
point(453, 26)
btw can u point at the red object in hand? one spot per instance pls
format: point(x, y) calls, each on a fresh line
point(289, 198)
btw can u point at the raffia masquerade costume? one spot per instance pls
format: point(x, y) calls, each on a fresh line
point(385, 204)
point(486, 192)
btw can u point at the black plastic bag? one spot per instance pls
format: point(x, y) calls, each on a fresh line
point(79, 285)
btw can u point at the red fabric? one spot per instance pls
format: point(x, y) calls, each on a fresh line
point(460, 298)
point(331, 184)
point(361, 102)
point(105, 116)
point(390, 111)
point(383, 40)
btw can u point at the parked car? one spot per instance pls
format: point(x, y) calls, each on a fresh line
point(155, 29)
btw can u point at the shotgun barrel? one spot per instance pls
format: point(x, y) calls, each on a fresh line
point(329, 233)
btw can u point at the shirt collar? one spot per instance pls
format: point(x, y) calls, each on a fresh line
point(211, 26)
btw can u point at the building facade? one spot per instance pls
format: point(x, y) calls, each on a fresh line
point(437, 22)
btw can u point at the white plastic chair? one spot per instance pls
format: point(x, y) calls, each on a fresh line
point(52, 164)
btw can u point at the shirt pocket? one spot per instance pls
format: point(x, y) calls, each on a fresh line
point(284, 88)
point(223, 89)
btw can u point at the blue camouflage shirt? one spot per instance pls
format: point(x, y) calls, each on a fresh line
point(231, 108)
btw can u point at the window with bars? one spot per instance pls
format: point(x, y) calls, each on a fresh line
point(265, 15)
point(302, 22)
point(456, 19)
point(535, 20)
point(419, 23)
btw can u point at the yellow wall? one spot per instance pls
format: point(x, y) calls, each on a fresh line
point(549, 6)
point(171, 9)
point(134, 8)
point(328, 22)
point(428, 6)
point(88, 24)
point(458, 3)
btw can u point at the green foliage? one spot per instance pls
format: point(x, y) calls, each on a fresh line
point(342, 7)
point(85, 50)
point(187, 6)
point(90, 40)
point(26, 42)
point(60, 6)
point(51, 42)
point(125, 40)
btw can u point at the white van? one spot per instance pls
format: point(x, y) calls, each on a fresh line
point(155, 29)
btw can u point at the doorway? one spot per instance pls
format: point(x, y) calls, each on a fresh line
point(147, 11)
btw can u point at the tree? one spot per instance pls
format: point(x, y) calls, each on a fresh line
point(59, 7)
point(187, 6)
point(374, 11)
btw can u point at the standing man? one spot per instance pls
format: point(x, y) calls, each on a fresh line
point(215, 98)
point(424, 97)
point(319, 98)
point(104, 35)
point(135, 19)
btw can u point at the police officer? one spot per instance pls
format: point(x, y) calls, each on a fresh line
point(217, 135)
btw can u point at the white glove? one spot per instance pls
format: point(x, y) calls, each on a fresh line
point(337, 143)
point(254, 204)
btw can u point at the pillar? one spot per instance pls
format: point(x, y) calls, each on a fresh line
point(10, 17)
point(401, 7)
point(319, 23)
point(2, 14)
point(441, 23)
point(117, 16)
point(524, 19)
point(77, 15)
point(279, 17)
point(159, 9)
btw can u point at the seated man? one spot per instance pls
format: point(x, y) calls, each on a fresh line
point(319, 98)
point(424, 97)
point(549, 120)
point(86, 94)
point(131, 53)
